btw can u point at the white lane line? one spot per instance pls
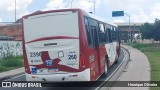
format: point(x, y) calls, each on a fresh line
point(14, 77)
point(112, 72)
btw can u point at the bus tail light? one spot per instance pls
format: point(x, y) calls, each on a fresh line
point(82, 58)
point(33, 77)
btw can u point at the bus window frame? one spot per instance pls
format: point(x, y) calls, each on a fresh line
point(106, 38)
point(106, 32)
point(93, 45)
point(94, 23)
point(114, 34)
point(90, 45)
point(110, 35)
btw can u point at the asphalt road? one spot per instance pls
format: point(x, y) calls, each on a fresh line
point(113, 71)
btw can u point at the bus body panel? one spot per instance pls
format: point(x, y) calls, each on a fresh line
point(115, 54)
point(102, 55)
point(79, 76)
point(67, 55)
point(41, 26)
point(55, 47)
point(111, 51)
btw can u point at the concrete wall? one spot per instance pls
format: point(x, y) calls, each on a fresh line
point(13, 30)
point(10, 48)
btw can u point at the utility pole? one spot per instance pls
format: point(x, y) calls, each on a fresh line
point(129, 31)
point(94, 7)
point(15, 12)
point(71, 3)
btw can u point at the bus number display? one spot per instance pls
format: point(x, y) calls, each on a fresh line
point(35, 54)
point(72, 56)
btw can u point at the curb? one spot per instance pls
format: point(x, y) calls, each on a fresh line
point(10, 76)
point(127, 51)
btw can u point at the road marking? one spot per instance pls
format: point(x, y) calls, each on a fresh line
point(112, 72)
point(14, 77)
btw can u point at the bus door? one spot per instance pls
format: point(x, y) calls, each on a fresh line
point(91, 28)
point(94, 33)
point(103, 40)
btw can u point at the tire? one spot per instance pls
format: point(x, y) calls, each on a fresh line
point(116, 61)
point(106, 68)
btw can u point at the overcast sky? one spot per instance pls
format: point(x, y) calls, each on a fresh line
point(139, 10)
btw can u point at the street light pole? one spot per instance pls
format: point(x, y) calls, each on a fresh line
point(71, 3)
point(94, 7)
point(129, 32)
point(15, 12)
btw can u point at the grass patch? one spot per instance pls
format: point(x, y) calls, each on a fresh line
point(152, 51)
point(11, 62)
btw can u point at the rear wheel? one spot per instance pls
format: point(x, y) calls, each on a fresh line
point(118, 53)
point(105, 68)
point(116, 61)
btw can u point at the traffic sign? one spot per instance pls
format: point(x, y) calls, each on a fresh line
point(117, 13)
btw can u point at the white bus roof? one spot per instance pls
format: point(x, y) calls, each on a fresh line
point(100, 19)
point(89, 15)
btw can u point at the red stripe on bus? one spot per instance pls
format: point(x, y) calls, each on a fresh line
point(55, 64)
point(49, 38)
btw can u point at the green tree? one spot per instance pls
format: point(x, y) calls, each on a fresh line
point(147, 31)
point(156, 30)
point(151, 31)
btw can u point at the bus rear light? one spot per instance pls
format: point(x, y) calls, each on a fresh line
point(33, 77)
point(82, 59)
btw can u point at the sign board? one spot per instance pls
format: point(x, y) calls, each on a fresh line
point(117, 13)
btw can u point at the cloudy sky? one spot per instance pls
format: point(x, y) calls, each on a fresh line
point(139, 10)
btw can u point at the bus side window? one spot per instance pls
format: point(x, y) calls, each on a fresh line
point(109, 34)
point(114, 34)
point(88, 32)
point(92, 28)
point(102, 34)
point(118, 35)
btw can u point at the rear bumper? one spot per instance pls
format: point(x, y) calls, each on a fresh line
point(80, 76)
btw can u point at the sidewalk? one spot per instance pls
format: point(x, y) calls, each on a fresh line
point(11, 73)
point(138, 69)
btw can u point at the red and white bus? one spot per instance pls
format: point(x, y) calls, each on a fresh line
point(68, 45)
